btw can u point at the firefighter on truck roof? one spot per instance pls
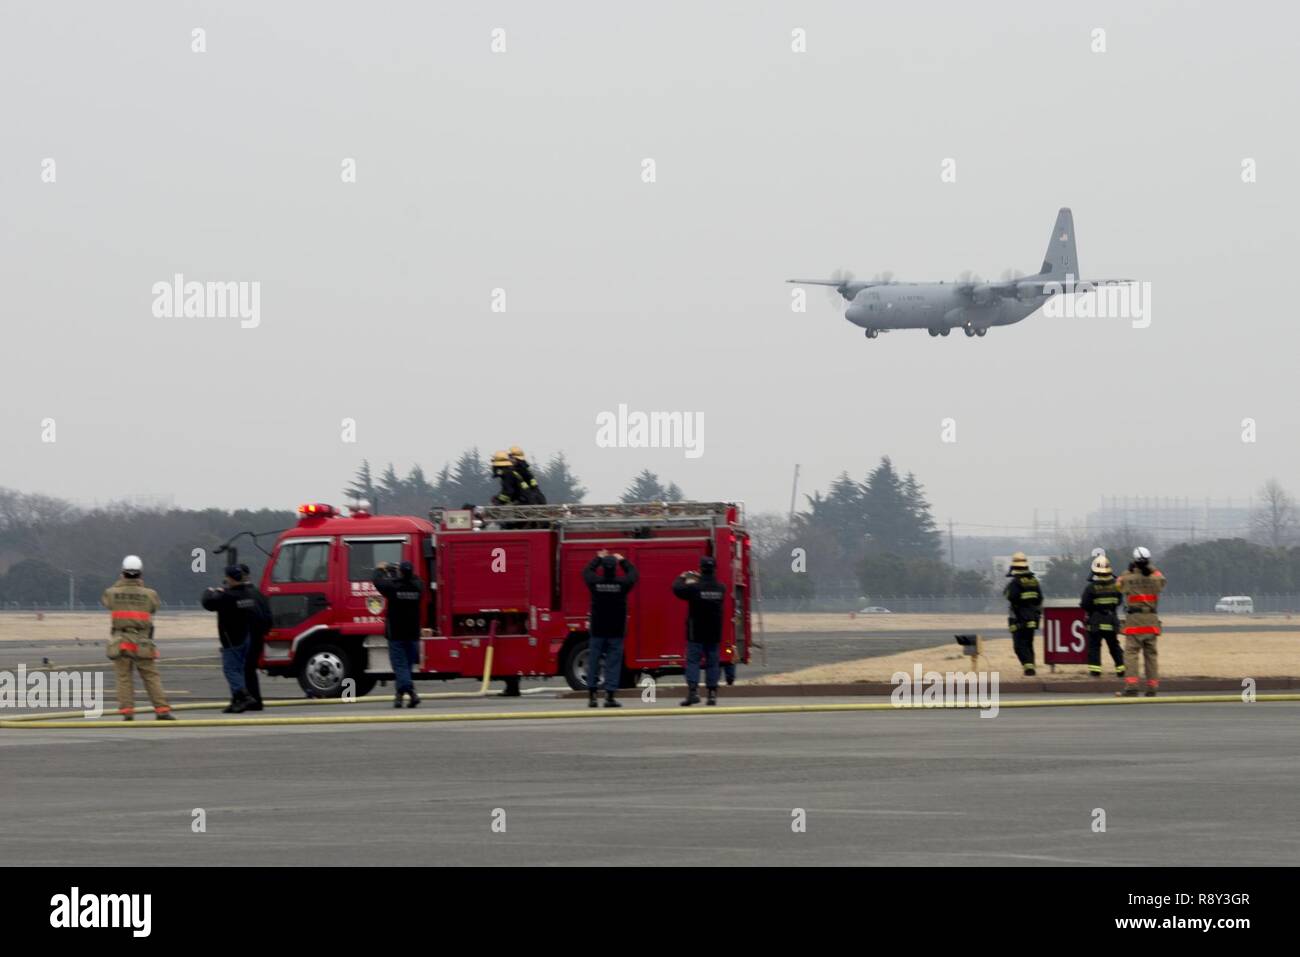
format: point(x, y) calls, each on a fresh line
point(512, 490)
point(532, 492)
point(1141, 587)
point(132, 606)
point(1025, 597)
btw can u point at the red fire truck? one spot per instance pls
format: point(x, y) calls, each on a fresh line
point(505, 577)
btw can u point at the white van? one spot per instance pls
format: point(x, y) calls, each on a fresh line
point(1235, 605)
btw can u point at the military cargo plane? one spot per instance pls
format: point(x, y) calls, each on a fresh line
point(970, 303)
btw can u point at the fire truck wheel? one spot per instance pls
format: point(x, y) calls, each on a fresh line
point(575, 665)
point(325, 667)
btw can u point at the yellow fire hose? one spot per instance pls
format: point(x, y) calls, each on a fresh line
point(54, 721)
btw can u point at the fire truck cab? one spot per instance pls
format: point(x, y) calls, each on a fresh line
point(504, 595)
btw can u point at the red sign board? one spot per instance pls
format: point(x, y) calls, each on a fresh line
point(1065, 636)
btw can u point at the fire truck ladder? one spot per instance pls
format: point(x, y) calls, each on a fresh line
point(625, 515)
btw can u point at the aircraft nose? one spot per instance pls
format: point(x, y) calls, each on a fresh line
point(856, 314)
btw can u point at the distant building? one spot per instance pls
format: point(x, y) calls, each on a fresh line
point(1002, 564)
point(1162, 521)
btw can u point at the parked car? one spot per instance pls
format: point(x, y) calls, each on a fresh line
point(875, 610)
point(1235, 605)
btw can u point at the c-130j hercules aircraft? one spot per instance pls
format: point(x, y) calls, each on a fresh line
point(971, 304)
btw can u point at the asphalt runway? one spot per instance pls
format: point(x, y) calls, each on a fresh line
point(1179, 784)
point(1186, 784)
point(191, 668)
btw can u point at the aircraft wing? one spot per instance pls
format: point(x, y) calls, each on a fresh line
point(858, 284)
point(1012, 288)
point(847, 288)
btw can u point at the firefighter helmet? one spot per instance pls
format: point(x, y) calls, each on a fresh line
point(1098, 553)
point(500, 460)
point(132, 564)
point(517, 453)
point(1141, 554)
point(1018, 561)
point(1101, 565)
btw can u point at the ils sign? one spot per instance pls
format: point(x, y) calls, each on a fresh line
point(1065, 636)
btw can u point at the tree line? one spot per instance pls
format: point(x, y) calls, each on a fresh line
point(469, 481)
point(1225, 566)
point(877, 534)
point(49, 546)
point(1265, 563)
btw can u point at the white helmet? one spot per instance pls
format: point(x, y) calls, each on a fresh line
point(1101, 565)
point(132, 563)
point(1098, 553)
point(1141, 554)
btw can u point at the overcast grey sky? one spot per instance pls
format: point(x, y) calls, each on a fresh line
point(523, 170)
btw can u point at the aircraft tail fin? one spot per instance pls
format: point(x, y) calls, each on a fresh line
point(1061, 259)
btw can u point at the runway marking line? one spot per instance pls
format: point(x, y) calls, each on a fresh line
point(52, 722)
point(273, 703)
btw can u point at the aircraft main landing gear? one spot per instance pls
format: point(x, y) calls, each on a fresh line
point(944, 332)
point(981, 333)
point(970, 331)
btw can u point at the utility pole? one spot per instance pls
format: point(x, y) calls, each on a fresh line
point(72, 590)
point(952, 552)
point(794, 492)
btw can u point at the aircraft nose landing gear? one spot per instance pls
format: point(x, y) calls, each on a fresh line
point(970, 331)
point(871, 333)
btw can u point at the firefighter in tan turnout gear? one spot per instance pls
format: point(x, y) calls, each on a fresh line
point(1025, 597)
point(132, 606)
point(1141, 587)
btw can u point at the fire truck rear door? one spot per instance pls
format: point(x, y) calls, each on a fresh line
point(657, 619)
